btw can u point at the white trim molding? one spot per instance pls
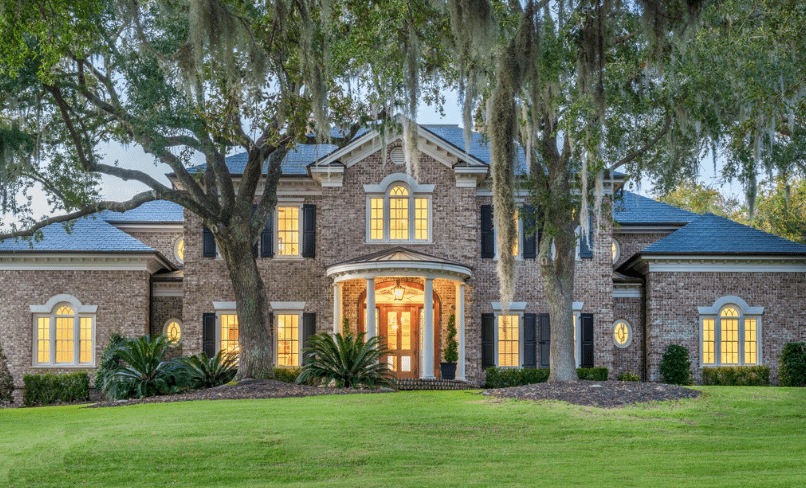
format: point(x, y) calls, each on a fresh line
point(224, 305)
point(87, 261)
point(288, 306)
point(726, 264)
point(513, 307)
point(733, 300)
point(627, 290)
point(159, 289)
point(75, 302)
point(398, 177)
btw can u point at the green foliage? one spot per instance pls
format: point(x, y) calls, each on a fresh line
point(695, 197)
point(592, 374)
point(109, 360)
point(675, 367)
point(505, 377)
point(6, 380)
point(144, 373)
point(451, 349)
point(629, 376)
point(792, 364)
point(736, 376)
point(347, 360)
point(287, 375)
point(345, 326)
point(48, 388)
point(207, 372)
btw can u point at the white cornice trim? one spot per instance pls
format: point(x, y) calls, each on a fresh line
point(330, 176)
point(513, 307)
point(295, 306)
point(632, 290)
point(725, 264)
point(377, 269)
point(577, 306)
point(83, 262)
point(224, 305)
point(167, 290)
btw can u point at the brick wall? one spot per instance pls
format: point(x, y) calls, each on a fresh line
point(163, 242)
point(632, 243)
point(630, 358)
point(163, 309)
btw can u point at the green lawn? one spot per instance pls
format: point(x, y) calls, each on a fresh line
point(728, 437)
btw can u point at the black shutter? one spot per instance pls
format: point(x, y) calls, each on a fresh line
point(308, 329)
point(208, 334)
point(309, 231)
point(487, 340)
point(544, 343)
point(585, 251)
point(529, 340)
point(208, 243)
point(487, 232)
point(267, 239)
point(587, 341)
point(529, 233)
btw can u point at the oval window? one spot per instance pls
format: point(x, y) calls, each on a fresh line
point(173, 330)
point(622, 333)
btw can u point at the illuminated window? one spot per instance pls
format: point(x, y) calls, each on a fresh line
point(64, 333)
point(173, 330)
point(288, 231)
point(398, 216)
point(179, 250)
point(516, 247)
point(229, 333)
point(615, 250)
point(622, 333)
point(508, 341)
point(730, 333)
point(288, 340)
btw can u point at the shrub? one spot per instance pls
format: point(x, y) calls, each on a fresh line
point(6, 380)
point(675, 368)
point(347, 360)
point(792, 365)
point(736, 376)
point(144, 372)
point(593, 374)
point(109, 360)
point(451, 352)
point(287, 375)
point(207, 372)
point(629, 376)
point(47, 388)
point(504, 377)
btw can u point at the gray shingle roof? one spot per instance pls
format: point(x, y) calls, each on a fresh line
point(88, 235)
point(294, 163)
point(156, 211)
point(479, 149)
point(711, 234)
point(636, 209)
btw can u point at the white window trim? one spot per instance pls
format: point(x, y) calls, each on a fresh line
point(515, 308)
point(48, 310)
point(576, 308)
point(276, 229)
point(415, 191)
point(745, 312)
point(629, 334)
point(224, 308)
point(181, 327)
point(287, 308)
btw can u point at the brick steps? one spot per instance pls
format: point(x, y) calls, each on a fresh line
point(436, 384)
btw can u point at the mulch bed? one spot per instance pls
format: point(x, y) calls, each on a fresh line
point(247, 389)
point(607, 394)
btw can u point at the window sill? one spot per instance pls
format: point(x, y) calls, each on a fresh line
point(63, 366)
point(400, 243)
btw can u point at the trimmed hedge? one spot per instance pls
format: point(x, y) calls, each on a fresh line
point(44, 389)
point(288, 375)
point(792, 365)
point(629, 376)
point(675, 367)
point(504, 377)
point(736, 376)
point(593, 374)
point(6, 380)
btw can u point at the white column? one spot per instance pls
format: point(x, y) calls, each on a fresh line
point(428, 330)
point(370, 325)
point(460, 321)
point(336, 309)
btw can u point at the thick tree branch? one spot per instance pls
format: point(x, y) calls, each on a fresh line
point(646, 147)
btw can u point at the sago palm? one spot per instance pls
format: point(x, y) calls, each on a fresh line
point(209, 372)
point(348, 360)
point(143, 371)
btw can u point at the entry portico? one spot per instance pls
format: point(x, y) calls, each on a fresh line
point(388, 276)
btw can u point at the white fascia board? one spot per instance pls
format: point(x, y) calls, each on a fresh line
point(726, 264)
point(632, 290)
point(398, 268)
point(83, 262)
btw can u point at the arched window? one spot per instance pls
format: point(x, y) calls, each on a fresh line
point(402, 213)
point(730, 332)
point(64, 332)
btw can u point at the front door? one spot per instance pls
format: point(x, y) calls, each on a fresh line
point(400, 327)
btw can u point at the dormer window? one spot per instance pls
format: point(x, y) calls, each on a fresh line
point(401, 214)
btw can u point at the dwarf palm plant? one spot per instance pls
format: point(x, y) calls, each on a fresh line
point(208, 372)
point(348, 360)
point(143, 372)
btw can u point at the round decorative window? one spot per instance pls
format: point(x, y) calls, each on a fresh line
point(622, 333)
point(615, 249)
point(173, 330)
point(179, 249)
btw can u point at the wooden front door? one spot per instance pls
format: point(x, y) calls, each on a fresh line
point(400, 328)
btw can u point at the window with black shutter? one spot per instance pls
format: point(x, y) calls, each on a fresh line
point(587, 341)
point(487, 340)
point(544, 340)
point(308, 329)
point(208, 334)
point(530, 234)
point(208, 243)
point(309, 231)
point(487, 232)
point(529, 340)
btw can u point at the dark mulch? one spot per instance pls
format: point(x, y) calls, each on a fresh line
point(247, 389)
point(606, 394)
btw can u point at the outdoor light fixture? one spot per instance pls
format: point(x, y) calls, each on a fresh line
point(398, 291)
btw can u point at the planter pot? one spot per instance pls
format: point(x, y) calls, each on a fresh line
point(448, 370)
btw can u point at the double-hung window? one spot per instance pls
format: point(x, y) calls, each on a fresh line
point(288, 231)
point(730, 333)
point(402, 213)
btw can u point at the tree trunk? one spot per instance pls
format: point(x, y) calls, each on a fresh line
point(255, 341)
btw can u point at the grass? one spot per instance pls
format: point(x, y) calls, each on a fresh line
point(731, 436)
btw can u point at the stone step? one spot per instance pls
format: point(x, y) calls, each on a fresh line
point(436, 384)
